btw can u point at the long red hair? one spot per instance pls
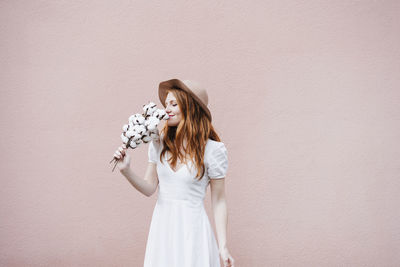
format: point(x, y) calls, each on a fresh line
point(195, 126)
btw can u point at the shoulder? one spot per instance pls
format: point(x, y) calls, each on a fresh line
point(216, 159)
point(214, 147)
point(212, 143)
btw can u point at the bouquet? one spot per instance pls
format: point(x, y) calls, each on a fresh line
point(141, 128)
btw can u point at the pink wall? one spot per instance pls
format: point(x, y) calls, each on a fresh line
point(305, 95)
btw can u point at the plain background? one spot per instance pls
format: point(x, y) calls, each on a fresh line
point(304, 94)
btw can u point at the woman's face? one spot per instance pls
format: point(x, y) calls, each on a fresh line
point(172, 108)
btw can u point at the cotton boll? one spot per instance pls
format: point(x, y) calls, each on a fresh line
point(146, 138)
point(152, 127)
point(136, 128)
point(161, 114)
point(149, 109)
point(141, 129)
point(138, 142)
point(156, 113)
point(154, 120)
point(125, 127)
point(124, 139)
point(151, 123)
point(136, 136)
point(136, 119)
point(145, 109)
point(131, 118)
point(132, 144)
point(129, 133)
point(139, 119)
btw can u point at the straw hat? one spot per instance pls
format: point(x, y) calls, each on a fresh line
point(193, 88)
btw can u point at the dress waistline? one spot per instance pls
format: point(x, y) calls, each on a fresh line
point(192, 202)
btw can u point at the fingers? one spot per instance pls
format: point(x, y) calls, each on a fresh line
point(229, 262)
point(120, 153)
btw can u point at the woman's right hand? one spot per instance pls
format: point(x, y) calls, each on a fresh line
point(123, 159)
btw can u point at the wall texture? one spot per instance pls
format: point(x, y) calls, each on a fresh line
point(305, 95)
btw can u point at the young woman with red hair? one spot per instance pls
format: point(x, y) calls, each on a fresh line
point(188, 156)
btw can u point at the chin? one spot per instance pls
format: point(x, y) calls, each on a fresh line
point(170, 123)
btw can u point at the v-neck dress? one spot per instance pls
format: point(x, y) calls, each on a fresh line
point(180, 232)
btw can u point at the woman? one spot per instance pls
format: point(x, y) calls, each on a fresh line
point(187, 157)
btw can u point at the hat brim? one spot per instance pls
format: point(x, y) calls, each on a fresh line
point(178, 84)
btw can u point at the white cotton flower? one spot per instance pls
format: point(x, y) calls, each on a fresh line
point(139, 141)
point(151, 123)
point(129, 133)
point(136, 119)
point(140, 120)
point(149, 109)
point(132, 144)
point(134, 116)
point(141, 129)
point(136, 136)
point(156, 113)
point(161, 114)
point(146, 138)
point(124, 138)
point(136, 128)
point(131, 118)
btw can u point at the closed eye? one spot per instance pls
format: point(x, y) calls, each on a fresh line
point(174, 104)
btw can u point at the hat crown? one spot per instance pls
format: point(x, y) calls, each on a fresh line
point(198, 90)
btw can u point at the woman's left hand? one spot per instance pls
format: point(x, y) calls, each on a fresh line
point(226, 258)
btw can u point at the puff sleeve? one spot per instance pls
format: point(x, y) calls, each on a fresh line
point(152, 152)
point(217, 161)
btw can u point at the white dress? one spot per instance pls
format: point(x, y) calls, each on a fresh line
point(180, 233)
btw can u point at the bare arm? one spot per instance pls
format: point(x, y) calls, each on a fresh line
point(221, 218)
point(219, 209)
point(146, 186)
